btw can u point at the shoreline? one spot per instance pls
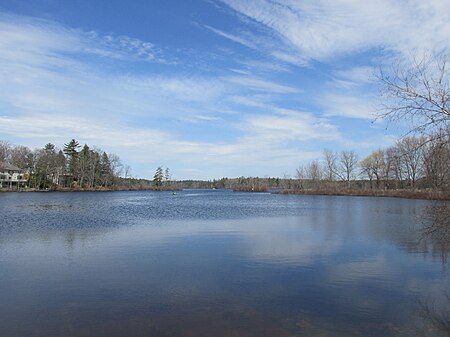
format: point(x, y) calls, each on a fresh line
point(100, 189)
point(405, 194)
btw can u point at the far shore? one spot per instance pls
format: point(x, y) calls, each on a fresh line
point(96, 189)
point(406, 194)
point(400, 193)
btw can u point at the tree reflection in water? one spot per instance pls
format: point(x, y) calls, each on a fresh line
point(435, 322)
point(435, 231)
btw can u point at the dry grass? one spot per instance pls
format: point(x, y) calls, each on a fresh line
point(407, 194)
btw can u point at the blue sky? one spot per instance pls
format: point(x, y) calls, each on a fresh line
point(209, 88)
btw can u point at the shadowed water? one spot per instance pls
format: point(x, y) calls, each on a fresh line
point(218, 263)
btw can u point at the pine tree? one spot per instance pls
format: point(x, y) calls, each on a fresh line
point(84, 164)
point(158, 177)
point(106, 173)
point(70, 150)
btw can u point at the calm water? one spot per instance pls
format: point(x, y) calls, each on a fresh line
point(218, 263)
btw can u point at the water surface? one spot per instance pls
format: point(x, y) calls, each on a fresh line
point(218, 263)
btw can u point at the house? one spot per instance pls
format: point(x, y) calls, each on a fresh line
point(11, 176)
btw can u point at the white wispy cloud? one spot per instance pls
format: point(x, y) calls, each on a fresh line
point(345, 105)
point(293, 126)
point(258, 84)
point(337, 33)
point(235, 38)
point(326, 29)
point(351, 93)
point(47, 40)
point(264, 66)
point(357, 75)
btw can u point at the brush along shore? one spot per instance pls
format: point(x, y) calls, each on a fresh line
point(400, 193)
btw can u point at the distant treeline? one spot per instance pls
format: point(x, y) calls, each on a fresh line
point(412, 163)
point(71, 167)
point(255, 184)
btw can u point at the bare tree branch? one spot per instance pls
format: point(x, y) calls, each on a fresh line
point(419, 92)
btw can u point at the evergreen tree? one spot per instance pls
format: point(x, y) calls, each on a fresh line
point(84, 164)
point(70, 150)
point(49, 148)
point(158, 177)
point(106, 174)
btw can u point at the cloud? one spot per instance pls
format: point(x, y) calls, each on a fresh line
point(264, 66)
point(326, 29)
point(357, 75)
point(291, 126)
point(238, 39)
point(262, 85)
point(51, 43)
point(45, 70)
point(363, 106)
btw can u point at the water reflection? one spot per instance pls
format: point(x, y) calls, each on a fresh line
point(435, 236)
point(435, 319)
point(436, 229)
point(214, 264)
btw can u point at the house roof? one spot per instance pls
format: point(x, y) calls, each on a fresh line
point(8, 167)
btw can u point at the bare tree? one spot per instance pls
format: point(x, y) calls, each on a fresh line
point(330, 164)
point(395, 171)
point(314, 173)
point(5, 150)
point(127, 171)
point(301, 175)
point(287, 181)
point(374, 166)
point(116, 164)
point(411, 156)
point(347, 165)
point(21, 156)
point(436, 162)
point(419, 92)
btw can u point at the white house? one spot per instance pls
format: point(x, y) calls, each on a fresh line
point(11, 176)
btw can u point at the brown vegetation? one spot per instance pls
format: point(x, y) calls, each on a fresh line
point(399, 193)
point(250, 189)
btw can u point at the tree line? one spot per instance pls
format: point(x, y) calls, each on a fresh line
point(413, 162)
point(73, 166)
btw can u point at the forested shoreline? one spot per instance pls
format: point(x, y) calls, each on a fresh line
point(72, 167)
point(414, 167)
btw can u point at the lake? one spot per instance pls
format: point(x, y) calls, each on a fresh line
point(219, 263)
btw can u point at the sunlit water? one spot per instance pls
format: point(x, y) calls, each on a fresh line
point(217, 263)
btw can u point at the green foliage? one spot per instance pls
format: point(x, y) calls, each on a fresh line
point(158, 177)
point(106, 173)
point(51, 168)
point(70, 150)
